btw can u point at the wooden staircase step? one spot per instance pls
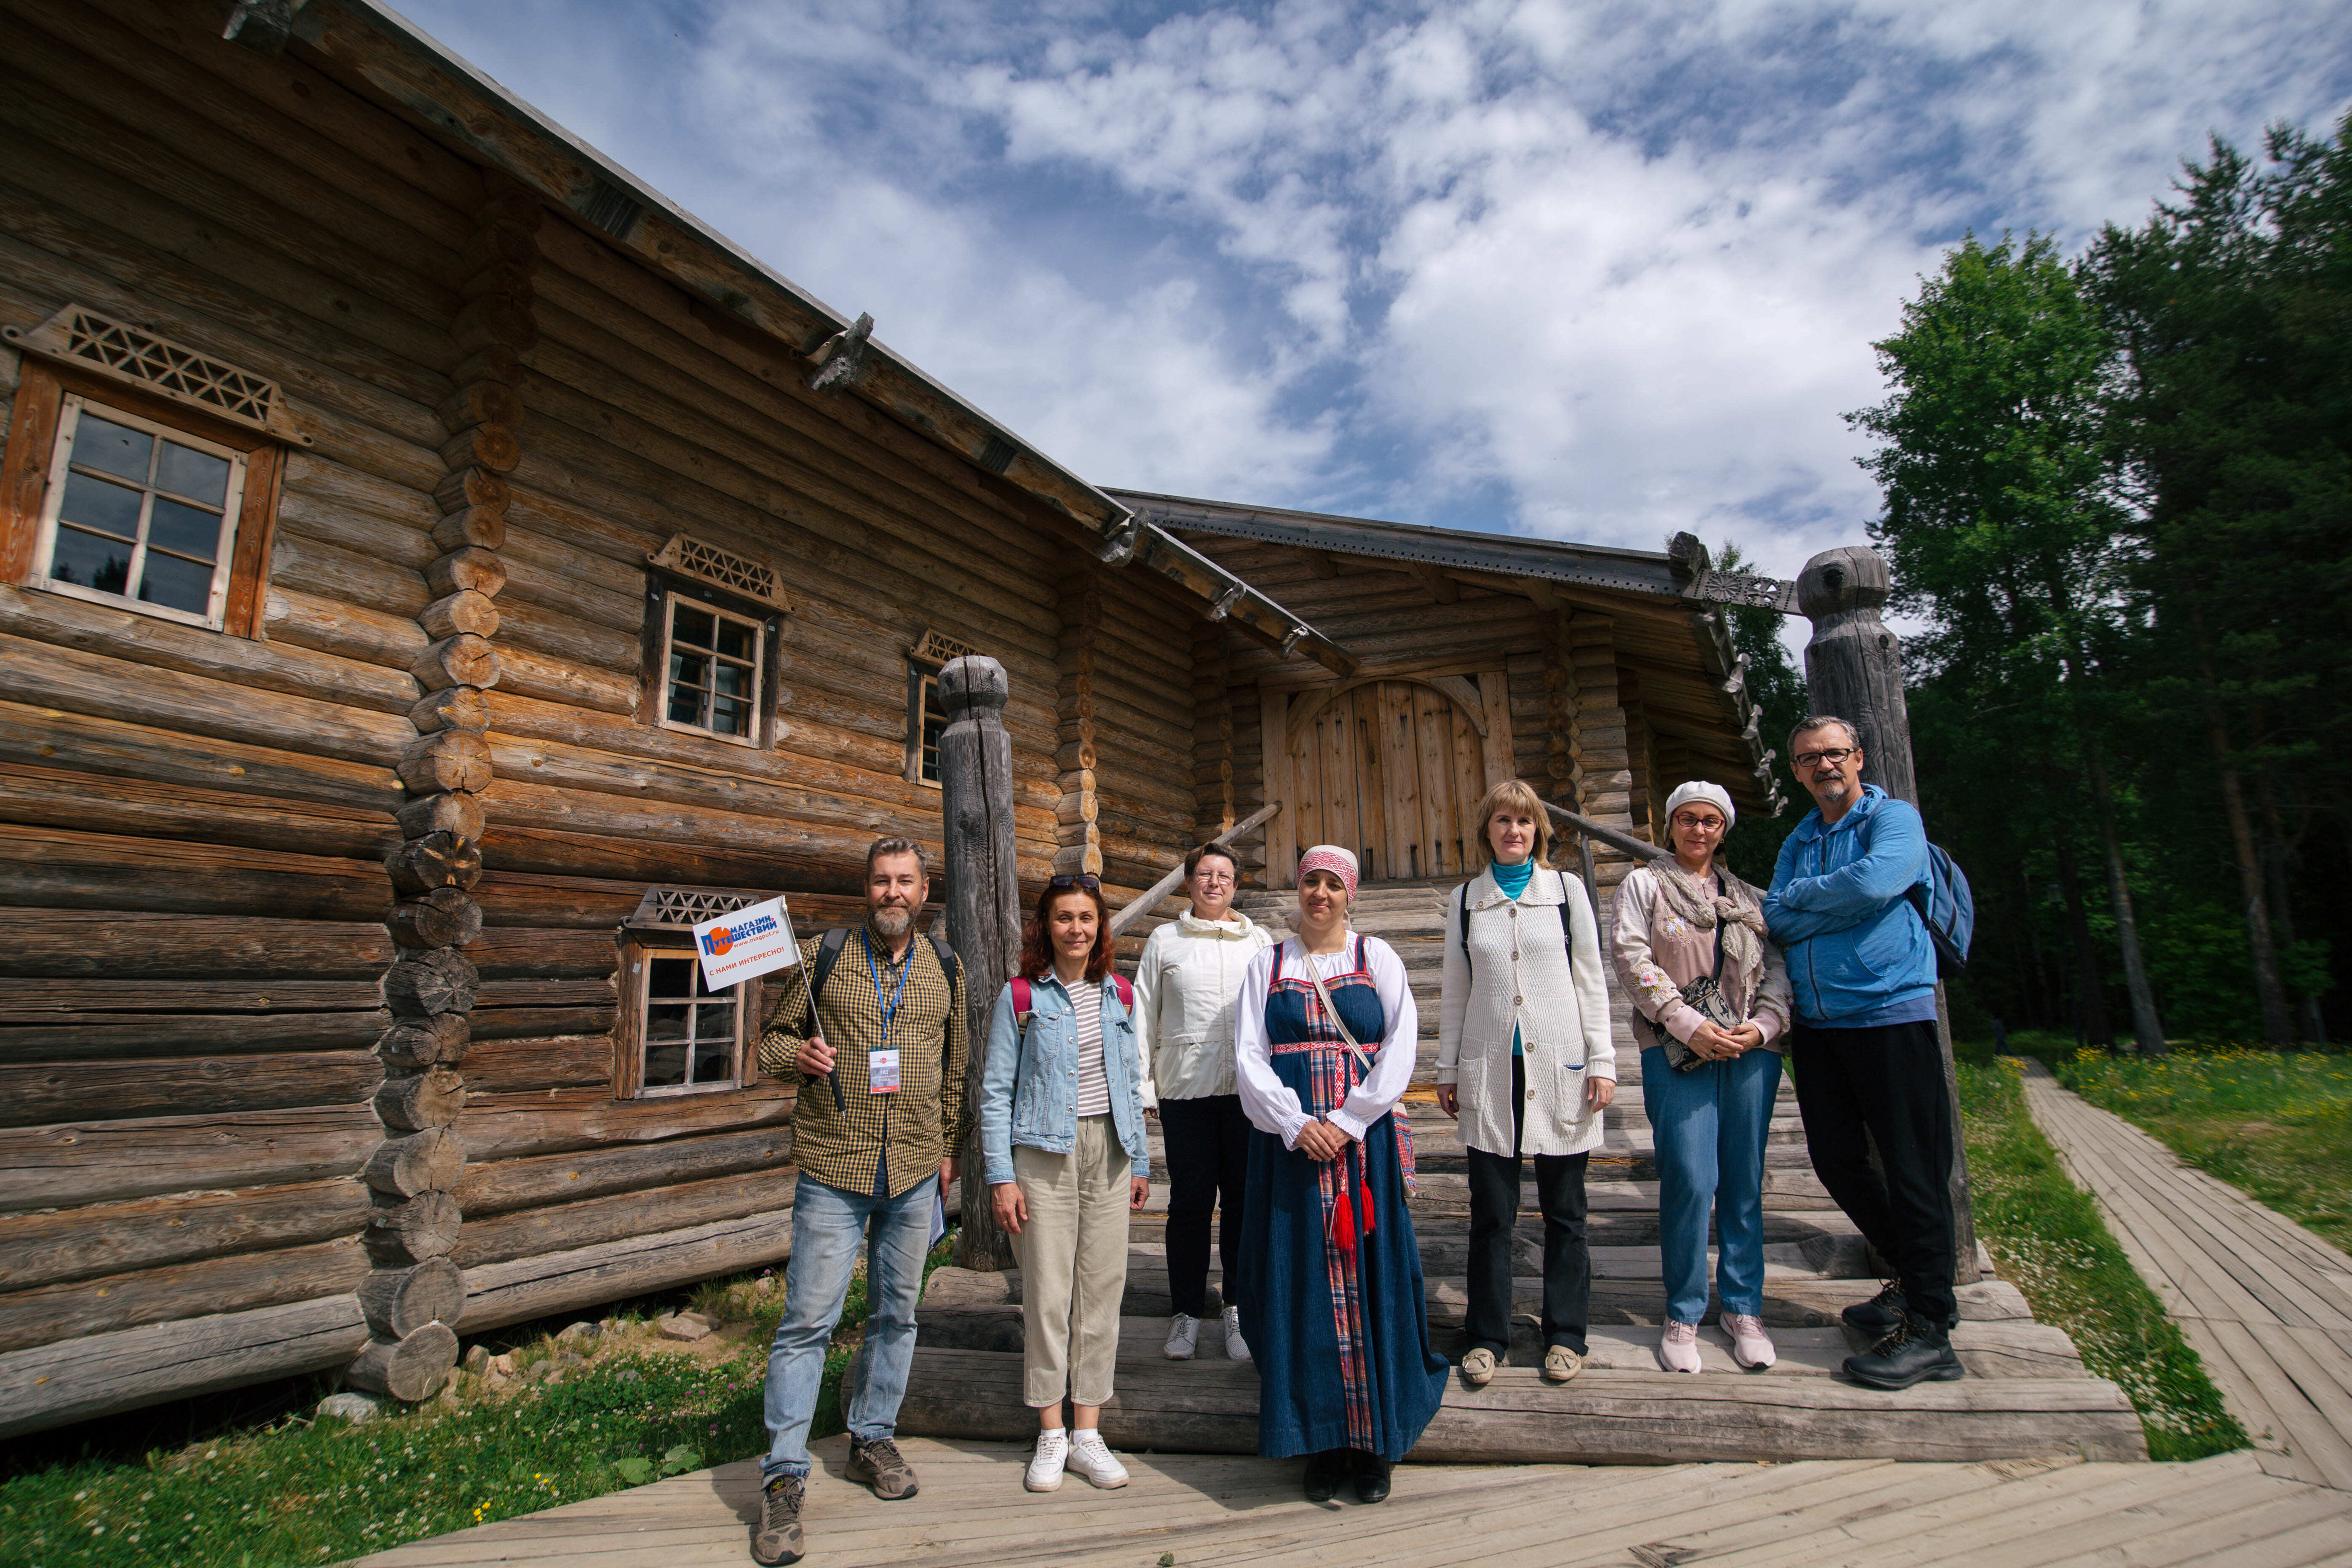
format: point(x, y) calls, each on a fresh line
point(1602, 1418)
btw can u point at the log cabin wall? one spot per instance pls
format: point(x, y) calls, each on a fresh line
point(195, 819)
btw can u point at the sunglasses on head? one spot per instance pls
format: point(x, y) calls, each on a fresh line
point(1091, 883)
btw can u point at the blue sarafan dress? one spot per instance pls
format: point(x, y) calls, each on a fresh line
point(1331, 1293)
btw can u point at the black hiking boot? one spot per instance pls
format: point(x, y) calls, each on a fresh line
point(776, 1539)
point(1914, 1352)
point(1878, 1316)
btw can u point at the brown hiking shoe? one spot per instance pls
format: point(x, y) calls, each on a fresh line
point(879, 1464)
point(776, 1539)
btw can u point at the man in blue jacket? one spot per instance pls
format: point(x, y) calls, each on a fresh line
point(1863, 1048)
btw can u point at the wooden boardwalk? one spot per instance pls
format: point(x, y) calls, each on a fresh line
point(2267, 1304)
point(1202, 1510)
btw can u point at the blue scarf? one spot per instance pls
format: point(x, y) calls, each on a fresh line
point(1513, 880)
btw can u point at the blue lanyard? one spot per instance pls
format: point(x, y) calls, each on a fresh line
point(889, 1008)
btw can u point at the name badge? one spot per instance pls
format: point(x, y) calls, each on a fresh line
point(882, 1070)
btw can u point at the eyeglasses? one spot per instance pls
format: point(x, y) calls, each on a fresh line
point(1818, 758)
point(1212, 878)
point(1091, 883)
point(1711, 824)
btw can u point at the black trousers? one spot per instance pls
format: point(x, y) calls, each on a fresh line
point(1889, 1082)
point(1207, 1144)
point(1494, 1215)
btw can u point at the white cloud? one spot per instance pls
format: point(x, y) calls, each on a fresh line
point(1600, 271)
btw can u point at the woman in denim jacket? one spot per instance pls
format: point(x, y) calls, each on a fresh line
point(1061, 1129)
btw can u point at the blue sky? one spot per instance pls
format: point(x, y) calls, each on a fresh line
point(1589, 271)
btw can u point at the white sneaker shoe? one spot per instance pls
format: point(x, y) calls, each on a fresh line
point(1236, 1347)
point(1090, 1457)
point(1678, 1349)
point(1183, 1336)
point(1751, 1347)
point(1046, 1465)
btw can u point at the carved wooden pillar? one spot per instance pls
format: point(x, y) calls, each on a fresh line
point(984, 903)
point(1599, 746)
point(1212, 734)
point(1076, 832)
point(1853, 668)
point(414, 1295)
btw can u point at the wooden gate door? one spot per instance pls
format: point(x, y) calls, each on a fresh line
point(1388, 769)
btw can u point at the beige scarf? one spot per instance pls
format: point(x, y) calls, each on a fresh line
point(1743, 906)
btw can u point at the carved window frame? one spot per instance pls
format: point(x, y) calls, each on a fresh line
point(631, 1032)
point(924, 662)
point(51, 400)
point(666, 594)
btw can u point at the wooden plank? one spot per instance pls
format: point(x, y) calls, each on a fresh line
point(1401, 772)
point(1358, 735)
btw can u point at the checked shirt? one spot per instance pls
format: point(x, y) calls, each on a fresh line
point(839, 1142)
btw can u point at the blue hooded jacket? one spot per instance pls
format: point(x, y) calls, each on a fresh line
point(1859, 955)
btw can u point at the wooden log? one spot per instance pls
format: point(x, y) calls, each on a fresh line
point(459, 815)
point(536, 1286)
point(561, 1226)
point(983, 885)
point(369, 581)
point(77, 1380)
point(462, 659)
point(451, 708)
point(472, 570)
point(55, 1037)
point(472, 528)
point(446, 917)
point(43, 1093)
point(399, 1301)
point(89, 943)
point(95, 1240)
point(415, 1102)
point(435, 860)
point(450, 760)
point(471, 487)
point(497, 1187)
point(431, 1160)
point(493, 321)
point(483, 403)
point(525, 1062)
point(426, 1042)
point(99, 1162)
point(427, 984)
point(233, 1283)
point(564, 1120)
point(566, 637)
point(402, 1231)
point(1853, 668)
point(410, 1369)
point(522, 952)
point(462, 611)
point(552, 679)
point(52, 868)
point(491, 446)
point(347, 631)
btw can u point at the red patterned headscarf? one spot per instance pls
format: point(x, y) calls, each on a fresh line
point(1331, 857)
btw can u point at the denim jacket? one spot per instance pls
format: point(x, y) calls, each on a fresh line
point(1029, 1087)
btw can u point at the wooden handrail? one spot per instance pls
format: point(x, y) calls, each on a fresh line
point(1639, 848)
point(1149, 900)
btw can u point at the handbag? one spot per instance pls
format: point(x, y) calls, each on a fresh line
point(1705, 995)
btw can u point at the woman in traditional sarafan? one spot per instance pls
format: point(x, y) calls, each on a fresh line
point(1331, 1294)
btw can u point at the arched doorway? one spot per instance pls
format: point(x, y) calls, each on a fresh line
point(1389, 768)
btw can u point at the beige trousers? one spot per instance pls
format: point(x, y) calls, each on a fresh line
point(1073, 1256)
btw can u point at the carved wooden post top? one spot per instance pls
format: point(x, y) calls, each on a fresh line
point(1851, 577)
point(972, 684)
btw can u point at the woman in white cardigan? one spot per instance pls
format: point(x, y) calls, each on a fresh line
point(1526, 1065)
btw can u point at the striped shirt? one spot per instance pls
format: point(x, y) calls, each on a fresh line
point(906, 1135)
point(1094, 1082)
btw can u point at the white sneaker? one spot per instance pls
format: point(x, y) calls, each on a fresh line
point(1046, 1465)
point(1751, 1347)
point(1090, 1457)
point(1236, 1347)
point(1183, 1336)
point(1678, 1349)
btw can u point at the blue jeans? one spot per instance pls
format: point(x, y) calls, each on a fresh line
point(1710, 1124)
point(827, 1225)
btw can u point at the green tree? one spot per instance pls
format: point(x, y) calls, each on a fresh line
point(2233, 308)
point(2006, 529)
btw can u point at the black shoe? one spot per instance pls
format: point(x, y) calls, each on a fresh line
point(1371, 1474)
point(1914, 1352)
point(1878, 1316)
point(776, 1539)
point(1324, 1471)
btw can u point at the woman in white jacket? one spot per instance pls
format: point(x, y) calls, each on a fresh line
point(1526, 1065)
point(1184, 989)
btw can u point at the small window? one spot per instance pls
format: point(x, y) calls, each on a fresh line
point(676, 1037)
point(927, 718)
point(139, 513)
point(713, 665)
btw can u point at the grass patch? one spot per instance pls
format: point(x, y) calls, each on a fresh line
point(2047, 1237)
point(2276, 1125)
point(297, 1492)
